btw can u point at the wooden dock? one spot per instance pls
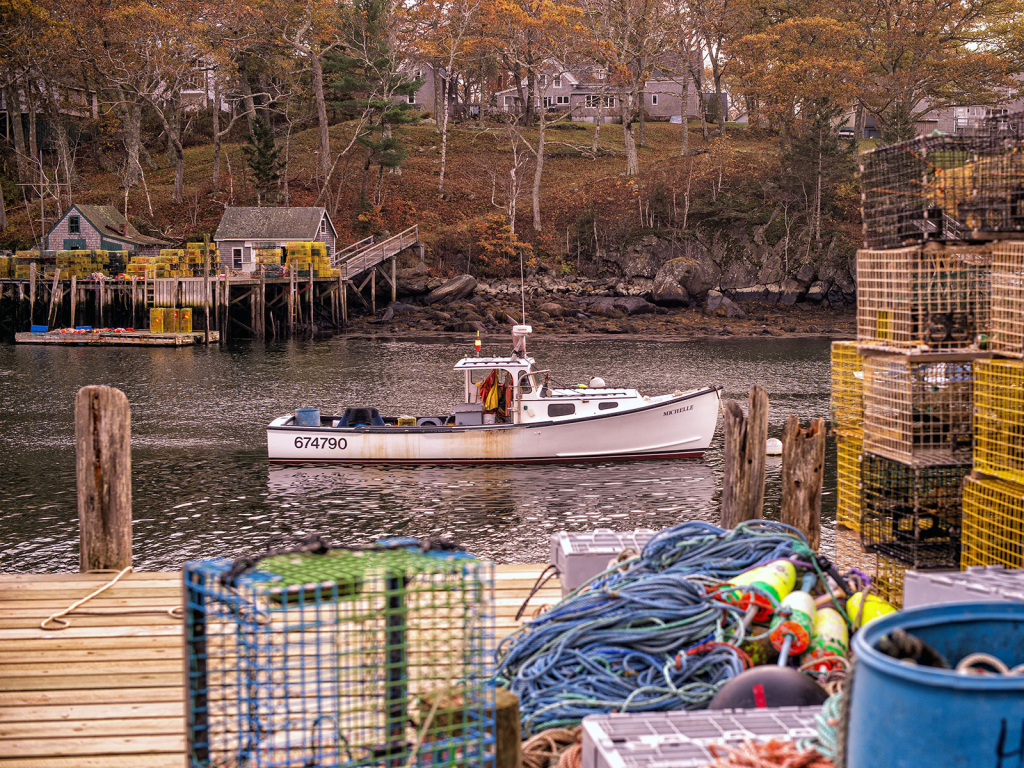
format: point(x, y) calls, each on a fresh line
point(115, 339)
point(107, 692)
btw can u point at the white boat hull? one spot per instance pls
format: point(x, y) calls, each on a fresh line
point(667, 428)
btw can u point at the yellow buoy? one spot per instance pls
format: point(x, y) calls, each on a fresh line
point(764, 587)
point(874, 608)
point(829, 640)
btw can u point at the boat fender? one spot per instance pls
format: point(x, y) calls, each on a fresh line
point(768, 686)
point(428, 421)
point(596, 382)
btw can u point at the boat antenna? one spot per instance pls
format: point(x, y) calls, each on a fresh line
point(522, 284)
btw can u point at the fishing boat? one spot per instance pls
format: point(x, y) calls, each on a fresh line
point(511, 413)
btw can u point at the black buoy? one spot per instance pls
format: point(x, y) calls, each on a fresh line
point(768, 687)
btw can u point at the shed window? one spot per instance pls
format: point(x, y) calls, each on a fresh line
point(74, 225)
point(654, 99)
point(606, 406)
point(561, 409)
point(236, 258)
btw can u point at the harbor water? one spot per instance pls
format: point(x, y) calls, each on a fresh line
point(202, 485)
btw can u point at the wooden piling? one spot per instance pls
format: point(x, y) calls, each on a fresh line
point(373, 291)
point(206, 285)
point(74, 297)
point(394, 279)
point(311, 293)
point(803, 465)
point(32, 295)
point(103, 447)
point(508, 747)
point(51, 314)
point(743, 478)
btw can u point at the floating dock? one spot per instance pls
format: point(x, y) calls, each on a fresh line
point(117, 339)
point(108, 690)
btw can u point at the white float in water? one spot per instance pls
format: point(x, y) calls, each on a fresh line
point(773, 447)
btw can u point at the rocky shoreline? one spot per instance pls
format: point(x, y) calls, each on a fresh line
point(608, 306)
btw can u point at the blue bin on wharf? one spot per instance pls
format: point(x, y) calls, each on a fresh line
point(307, 417)
point(906, 716)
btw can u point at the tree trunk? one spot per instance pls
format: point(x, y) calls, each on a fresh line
point(685, 132)
point(438, 94)
point(247, 100)
point(858, 122)
point(597, 123)
point(215, 189)
point(321, 113)
point(538, 170)
point(33, 144)
point(17, 127)
point(444, 140)
point(3, 212)
point(132, 115)
point(642, 123)
point(632, 161)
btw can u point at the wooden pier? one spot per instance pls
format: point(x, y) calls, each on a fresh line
point(116, 339)
point(249, 305)
point(108, 691)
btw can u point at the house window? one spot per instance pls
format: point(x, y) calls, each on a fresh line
point(74, 225)
point(510, 101)
point(323, 226)
point(595, 100)
point(654, 99)
point(236, 258)
point(547, 101)
point(562, 100)
point(412, 98)
point(556, 81)
point(417, 75)
point(599, 74)
point(543, 81)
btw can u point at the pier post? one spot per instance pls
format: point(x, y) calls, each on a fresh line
point(743, 478)
point(373, 290)
point(206, 285)
point(74, 297)
point(394, 281)
point(291, 302)
point(32, 295)
point(312, 291)
point(508, 746)
point(803, 465)
point(103, 464)
point(51, 314)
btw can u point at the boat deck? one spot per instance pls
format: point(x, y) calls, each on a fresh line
point(111, 338)
point(108, 691)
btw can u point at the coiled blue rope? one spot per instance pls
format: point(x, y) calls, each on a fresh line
point(644, 635)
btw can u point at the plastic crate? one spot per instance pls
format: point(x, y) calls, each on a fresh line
point(918, 413)
point(680, 739)
point(974, 585)
point(911, 515)
point(925, 299)
point(580, 556)
point(848, 453)
point(993, 523)
point(847, 397)
point(999, 419)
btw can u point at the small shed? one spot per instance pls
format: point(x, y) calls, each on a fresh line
point(243, 229)
point(99, 228)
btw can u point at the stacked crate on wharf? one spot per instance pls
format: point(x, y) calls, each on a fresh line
point(307, 260)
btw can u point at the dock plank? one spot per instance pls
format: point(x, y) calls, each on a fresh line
point(107, 692)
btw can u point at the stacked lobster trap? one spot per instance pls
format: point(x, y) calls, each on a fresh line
point(340, 658)
point(940, 292)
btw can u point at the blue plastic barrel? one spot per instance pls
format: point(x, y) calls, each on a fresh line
point(307, 417)
point(906, 716)
point(39, 329)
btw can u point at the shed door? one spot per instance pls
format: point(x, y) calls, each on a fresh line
point(74, 245)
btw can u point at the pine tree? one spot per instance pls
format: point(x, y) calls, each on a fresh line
point(261, 153)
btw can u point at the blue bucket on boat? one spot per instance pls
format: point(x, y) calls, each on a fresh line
point(83, 327)
point(905, 716)
point(307, 417)
point(39, 329)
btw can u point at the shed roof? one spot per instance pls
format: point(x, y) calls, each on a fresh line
point(271, 224)
point(109, 222)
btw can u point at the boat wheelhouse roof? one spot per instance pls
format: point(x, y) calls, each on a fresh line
point(477, 363)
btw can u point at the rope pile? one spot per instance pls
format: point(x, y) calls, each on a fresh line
point(555, 746)
point(645, 635)
point(770, 754)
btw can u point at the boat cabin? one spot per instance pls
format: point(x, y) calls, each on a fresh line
point(511, 390)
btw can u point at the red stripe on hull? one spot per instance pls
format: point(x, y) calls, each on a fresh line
point(548, 460)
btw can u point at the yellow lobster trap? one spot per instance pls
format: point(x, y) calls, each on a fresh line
point(993, 527)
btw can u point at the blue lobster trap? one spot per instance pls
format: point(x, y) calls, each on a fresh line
point(328, 658)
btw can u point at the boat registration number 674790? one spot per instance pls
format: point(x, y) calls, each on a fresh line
point(323, 443)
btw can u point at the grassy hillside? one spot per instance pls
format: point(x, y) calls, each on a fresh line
point(587, 202)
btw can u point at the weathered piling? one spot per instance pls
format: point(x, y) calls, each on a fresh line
point(743, 480)
point(103, 464)
point(803, 465)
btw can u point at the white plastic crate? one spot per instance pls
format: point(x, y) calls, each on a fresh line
point(975, 585)
point(580, 556)
point(680, 739)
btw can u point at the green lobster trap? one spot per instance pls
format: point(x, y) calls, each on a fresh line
point(340, 657)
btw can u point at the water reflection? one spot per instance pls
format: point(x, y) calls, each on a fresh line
point(202, 485)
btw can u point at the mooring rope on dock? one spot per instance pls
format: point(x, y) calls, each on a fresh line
point(176, 612)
